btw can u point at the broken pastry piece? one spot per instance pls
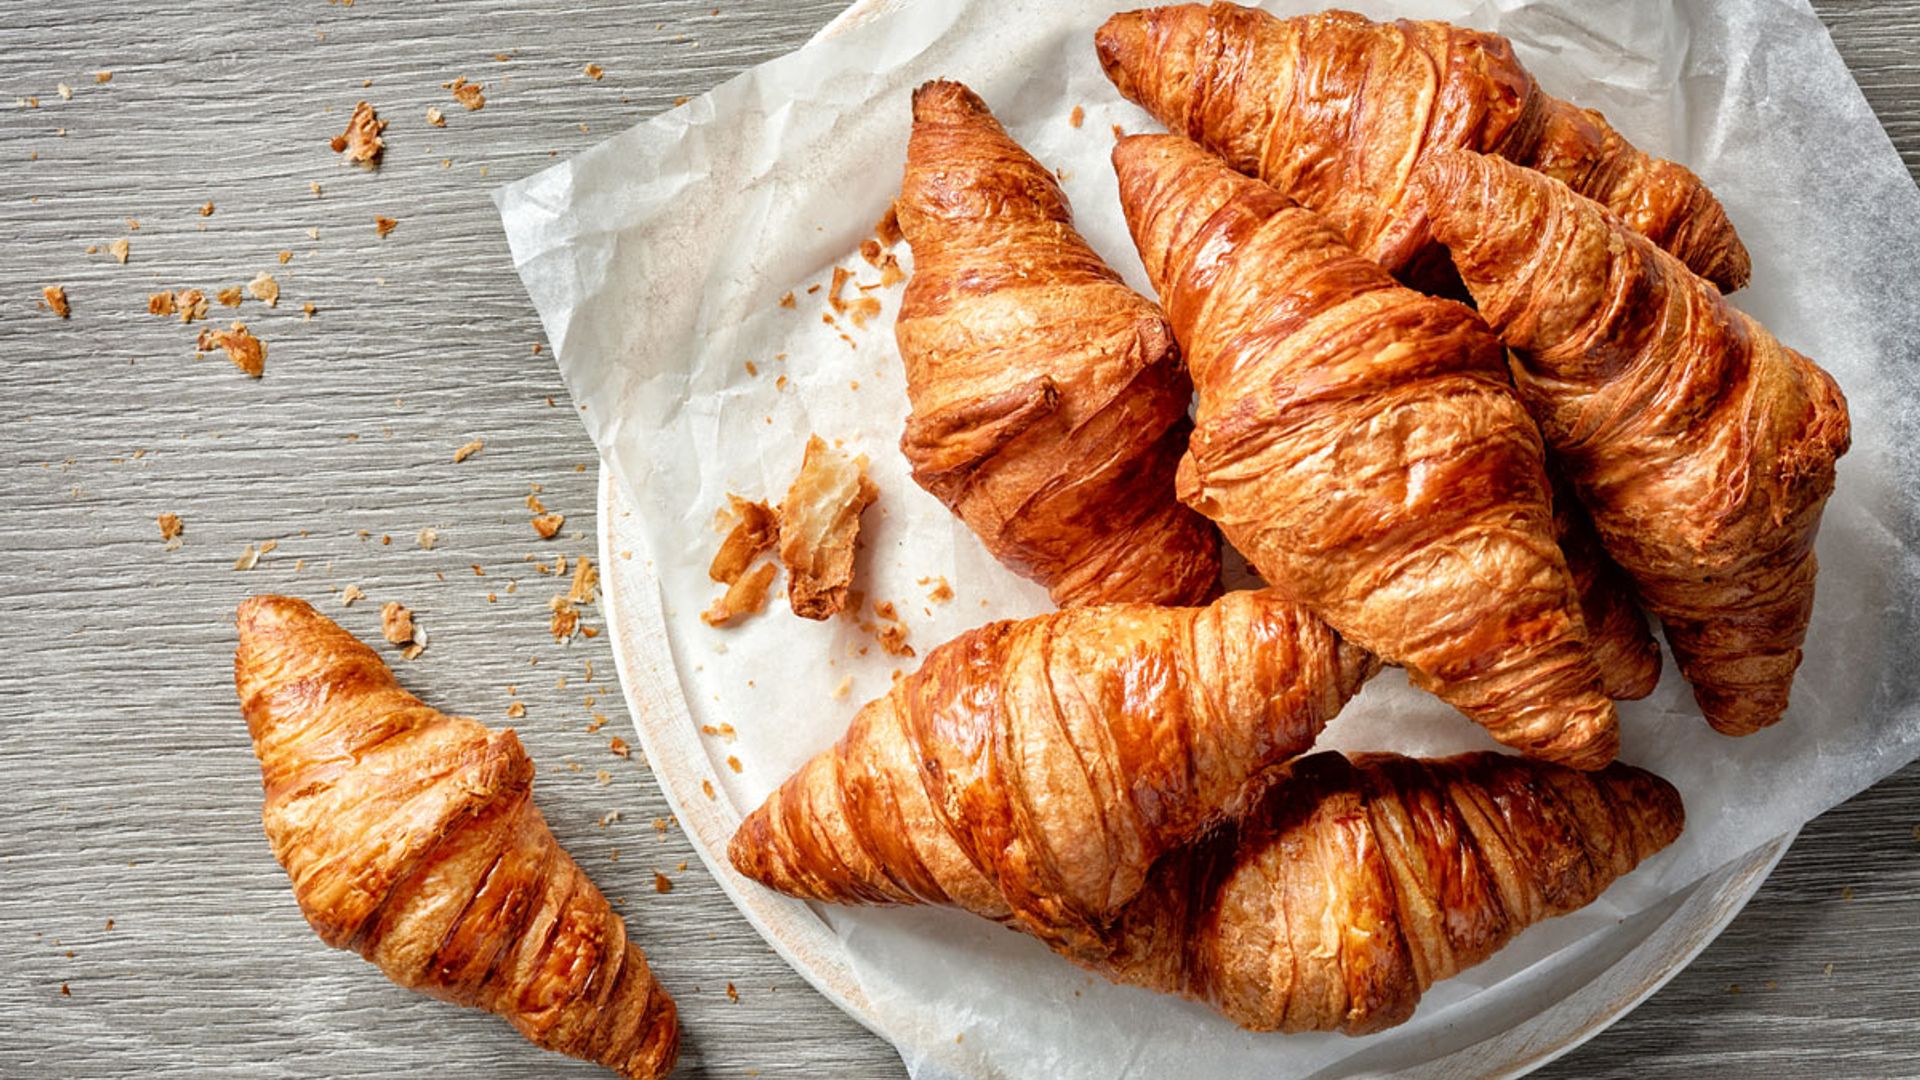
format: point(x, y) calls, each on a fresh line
point(755, 529)
point(412, 838)
point(746, 595)
point(819, 523)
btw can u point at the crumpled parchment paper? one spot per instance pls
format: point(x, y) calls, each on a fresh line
point(658, 261)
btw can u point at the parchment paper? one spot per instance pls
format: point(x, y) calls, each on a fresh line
point(658, 259)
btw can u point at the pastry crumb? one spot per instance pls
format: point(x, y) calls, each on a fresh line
point(191, 304)
point(755, 530)
point(661, 884)
point(1077, 117)
point(941, 591)
point(787, 301)
point(595, 72)
point(819, 525)
point(733, 995)
point(468, 450)
point(56, 297)
point(619, 747)
point(516, 710)
point(396, 623)
point(745, 595)
point(467, 93)
point(733, 763)
point(426, 538)
point(435, 117)
point(247, 352)
point(586, 582)
point(565, 621)
point(119, 249)
point(706, 788)
point(361, 142)
point(351, 593)
point(842, 688)
point(384, 226)
point(207, 209)
point(161, 303)
point(264, 289)
point(231, 296)
point(548, 525)
point(170, 526)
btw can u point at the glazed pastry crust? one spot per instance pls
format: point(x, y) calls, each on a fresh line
point(1351, 887)
point(1338, 112)
point(1049, 404)
point(411, 838)
point(1703, 448)
point(1031, 771)
point(1362, 445)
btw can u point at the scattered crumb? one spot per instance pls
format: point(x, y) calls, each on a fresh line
point(941, 592)
point(819, 523)
point(285, 258)
point(724, 731)
point(516, 710)
point(396, 623)
point(247, 352)
point(733, 763)
point(361, 142)
point(594, 725)
point(170, 526)
point(595, 72)
point(351, 593)
point(435, 117)
point(732, 994)
point(548, 525)
point(426, 538)
point(103, 76)
point(602, 777)
point(384, 225)
point(119, 249)
point(565, 621)
point(64, 992)
point(1119, 133)
point(660, 884)
point(745, 595)
point(468, 450)
point(307, 311)
point(65, 91)
point(207, 210)
point(231, 296)
point(787, 300)
point(870, 251)
point(706, 788)
point(248, 559)
point(191, 304)
point(619, 746)
point(314, 186)
point(466, 93)
point(160, 303)
point(660, 824)
point(841, 690)
point(264, 289)
point(57, 300)
point(1077, 117)
point(891, 632)
point(585, 585)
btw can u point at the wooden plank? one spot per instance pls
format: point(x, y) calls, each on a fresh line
point(127, 791)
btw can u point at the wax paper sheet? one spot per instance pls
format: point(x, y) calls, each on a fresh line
point(659, 259)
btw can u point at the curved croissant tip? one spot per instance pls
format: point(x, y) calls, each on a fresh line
point(266, 611)
point(750, 850)
point(1120, 43)
point(1656, 803)
point(945, 99)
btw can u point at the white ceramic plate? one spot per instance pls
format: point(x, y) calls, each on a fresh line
point(1604, 983)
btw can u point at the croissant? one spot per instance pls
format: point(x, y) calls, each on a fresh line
point(412, 839)
point(1049, 405)
point(1703, 448)
point(1351, 887)
point(1623, 648)
point(1031, 771)
point(1337, 111)
point(1362, 445)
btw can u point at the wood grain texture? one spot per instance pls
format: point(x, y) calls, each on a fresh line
point(127, 790)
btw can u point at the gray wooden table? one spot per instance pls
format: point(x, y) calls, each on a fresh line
point(144, 927)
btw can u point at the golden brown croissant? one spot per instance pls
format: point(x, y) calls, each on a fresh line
point(1032, 770)
point(1337, 111)
point(1361, 444)
point(1623, 647)
point(1352, 887)
point(1703, 448)
point(412, 839)
point(1049, 406)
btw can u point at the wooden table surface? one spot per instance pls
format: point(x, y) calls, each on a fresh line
point(145, 929)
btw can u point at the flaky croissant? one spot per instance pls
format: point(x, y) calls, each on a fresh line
point(1352, 887)
point(1361, 444)
point(1623, 647)
point(1703, 448)
point(1031, 771)
point(412, 839)
point(1049, 406)
point(1337, 111)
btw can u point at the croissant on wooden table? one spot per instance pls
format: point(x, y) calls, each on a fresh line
point(1031, 771)
point(1351, 887)
point(1703, 448)
point(1338, 111)
point(1049, 404)
point(1362, 445)
point(411, 838)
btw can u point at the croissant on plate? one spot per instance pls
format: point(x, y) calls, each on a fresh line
point(1361, 444)
point(1031, 771)
point(1338, 111)
point(1351, 887)
point(1049, 404)
point(1703, 448)
point(411, 838)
